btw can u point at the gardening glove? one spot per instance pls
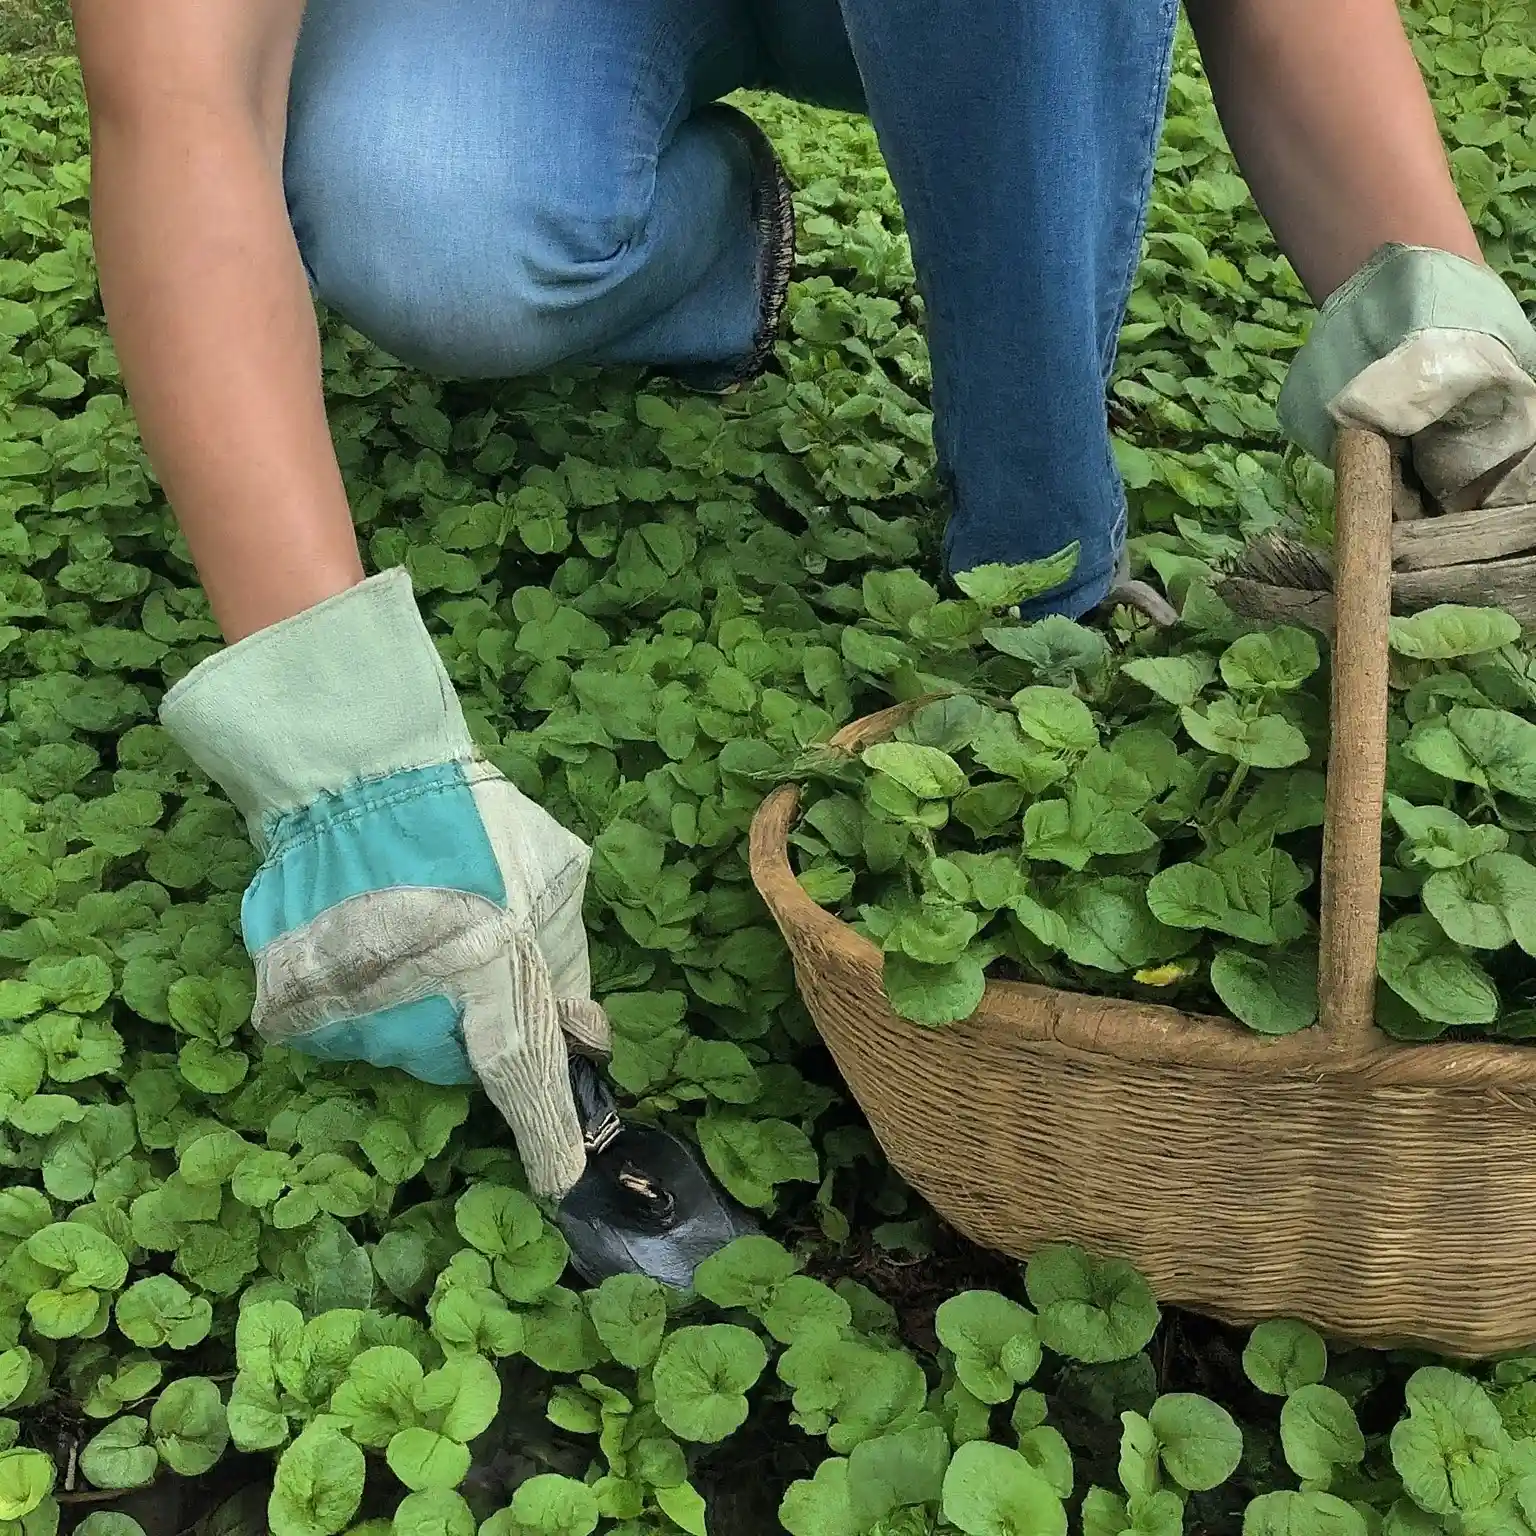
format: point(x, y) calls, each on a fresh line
point(412, 909)
point(1432, 351)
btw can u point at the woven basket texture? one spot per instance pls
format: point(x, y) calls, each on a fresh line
point(1383, 1192)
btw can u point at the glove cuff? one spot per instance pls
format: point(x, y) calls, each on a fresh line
point(1400, 291)
point(349, 690)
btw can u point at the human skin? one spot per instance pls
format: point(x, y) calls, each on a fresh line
point(1327, 113)
point(211, 315)
point(206, 297)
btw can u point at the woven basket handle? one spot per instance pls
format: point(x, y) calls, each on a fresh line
point(1357, 758)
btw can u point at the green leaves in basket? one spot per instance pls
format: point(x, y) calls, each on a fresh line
point(1094, 814)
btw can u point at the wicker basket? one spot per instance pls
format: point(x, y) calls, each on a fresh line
point(1385, 1193)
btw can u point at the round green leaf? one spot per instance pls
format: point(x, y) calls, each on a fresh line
point(934, 995)
point(1282, 1356)
point(820, 1505)
point(160, 1312)
point(702, 1377)
point(439, 1512)
point(1092, 1310)
point(422, 1458)
point(1288, 1513)
point(26, 1479)
point(991, 1338)
point(108, 1522)
point(1276, 660)
point(555, 1506)
point(376, 1399)
point(1199, 1440)
point(497, 1220)
point(15, 1373)
point(189, 1425)
point(80, 1254)
point(745, 1273)
point(925, 772)
point(318, 1485)
point(992, 1491)
point(1047, 1451)
point(1450, 630)
point(802, 1306)
point(1319, 1433)
point(1439, 982)
point(118, 1455)
point(461, 1397)
point(630, 1315)
point(1274, 994)
point(1452, 1451)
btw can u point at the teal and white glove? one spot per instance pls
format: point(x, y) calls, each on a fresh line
point(413, 909)
point(1433, 351)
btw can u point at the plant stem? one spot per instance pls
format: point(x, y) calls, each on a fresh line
point(1228, 795)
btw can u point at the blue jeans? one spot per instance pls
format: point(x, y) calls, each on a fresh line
point(489, 189)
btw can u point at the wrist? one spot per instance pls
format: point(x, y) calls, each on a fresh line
point(1400, 292)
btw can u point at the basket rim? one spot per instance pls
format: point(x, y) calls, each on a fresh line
point(1105, 1029)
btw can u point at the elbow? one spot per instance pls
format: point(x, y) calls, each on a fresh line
point(129, 122)
point(144, 89)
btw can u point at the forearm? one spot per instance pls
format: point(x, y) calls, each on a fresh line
point(211, 317)
point(1329, 118)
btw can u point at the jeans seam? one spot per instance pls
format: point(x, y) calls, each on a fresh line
point(1150, 132)
point(1151, 118)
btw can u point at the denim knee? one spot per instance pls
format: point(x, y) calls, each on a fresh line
point(445, 259)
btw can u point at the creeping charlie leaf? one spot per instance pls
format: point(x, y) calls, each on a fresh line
point(995, 1343)
point(1282, 1356)
point(702, 1377)
point(1092, 1310)
point(992, 1491)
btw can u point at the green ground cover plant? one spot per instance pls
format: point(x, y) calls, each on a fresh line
point(317, 1300)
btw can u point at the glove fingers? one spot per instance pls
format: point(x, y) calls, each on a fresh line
point(513, 1037)
point(1462, 399)
point(585, 1025)
point(1516, 485)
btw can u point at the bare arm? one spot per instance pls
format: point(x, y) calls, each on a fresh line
point(1329, 118)
point(206, 298)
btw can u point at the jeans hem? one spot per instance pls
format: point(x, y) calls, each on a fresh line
point(773, 218)
point(1076, 602)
